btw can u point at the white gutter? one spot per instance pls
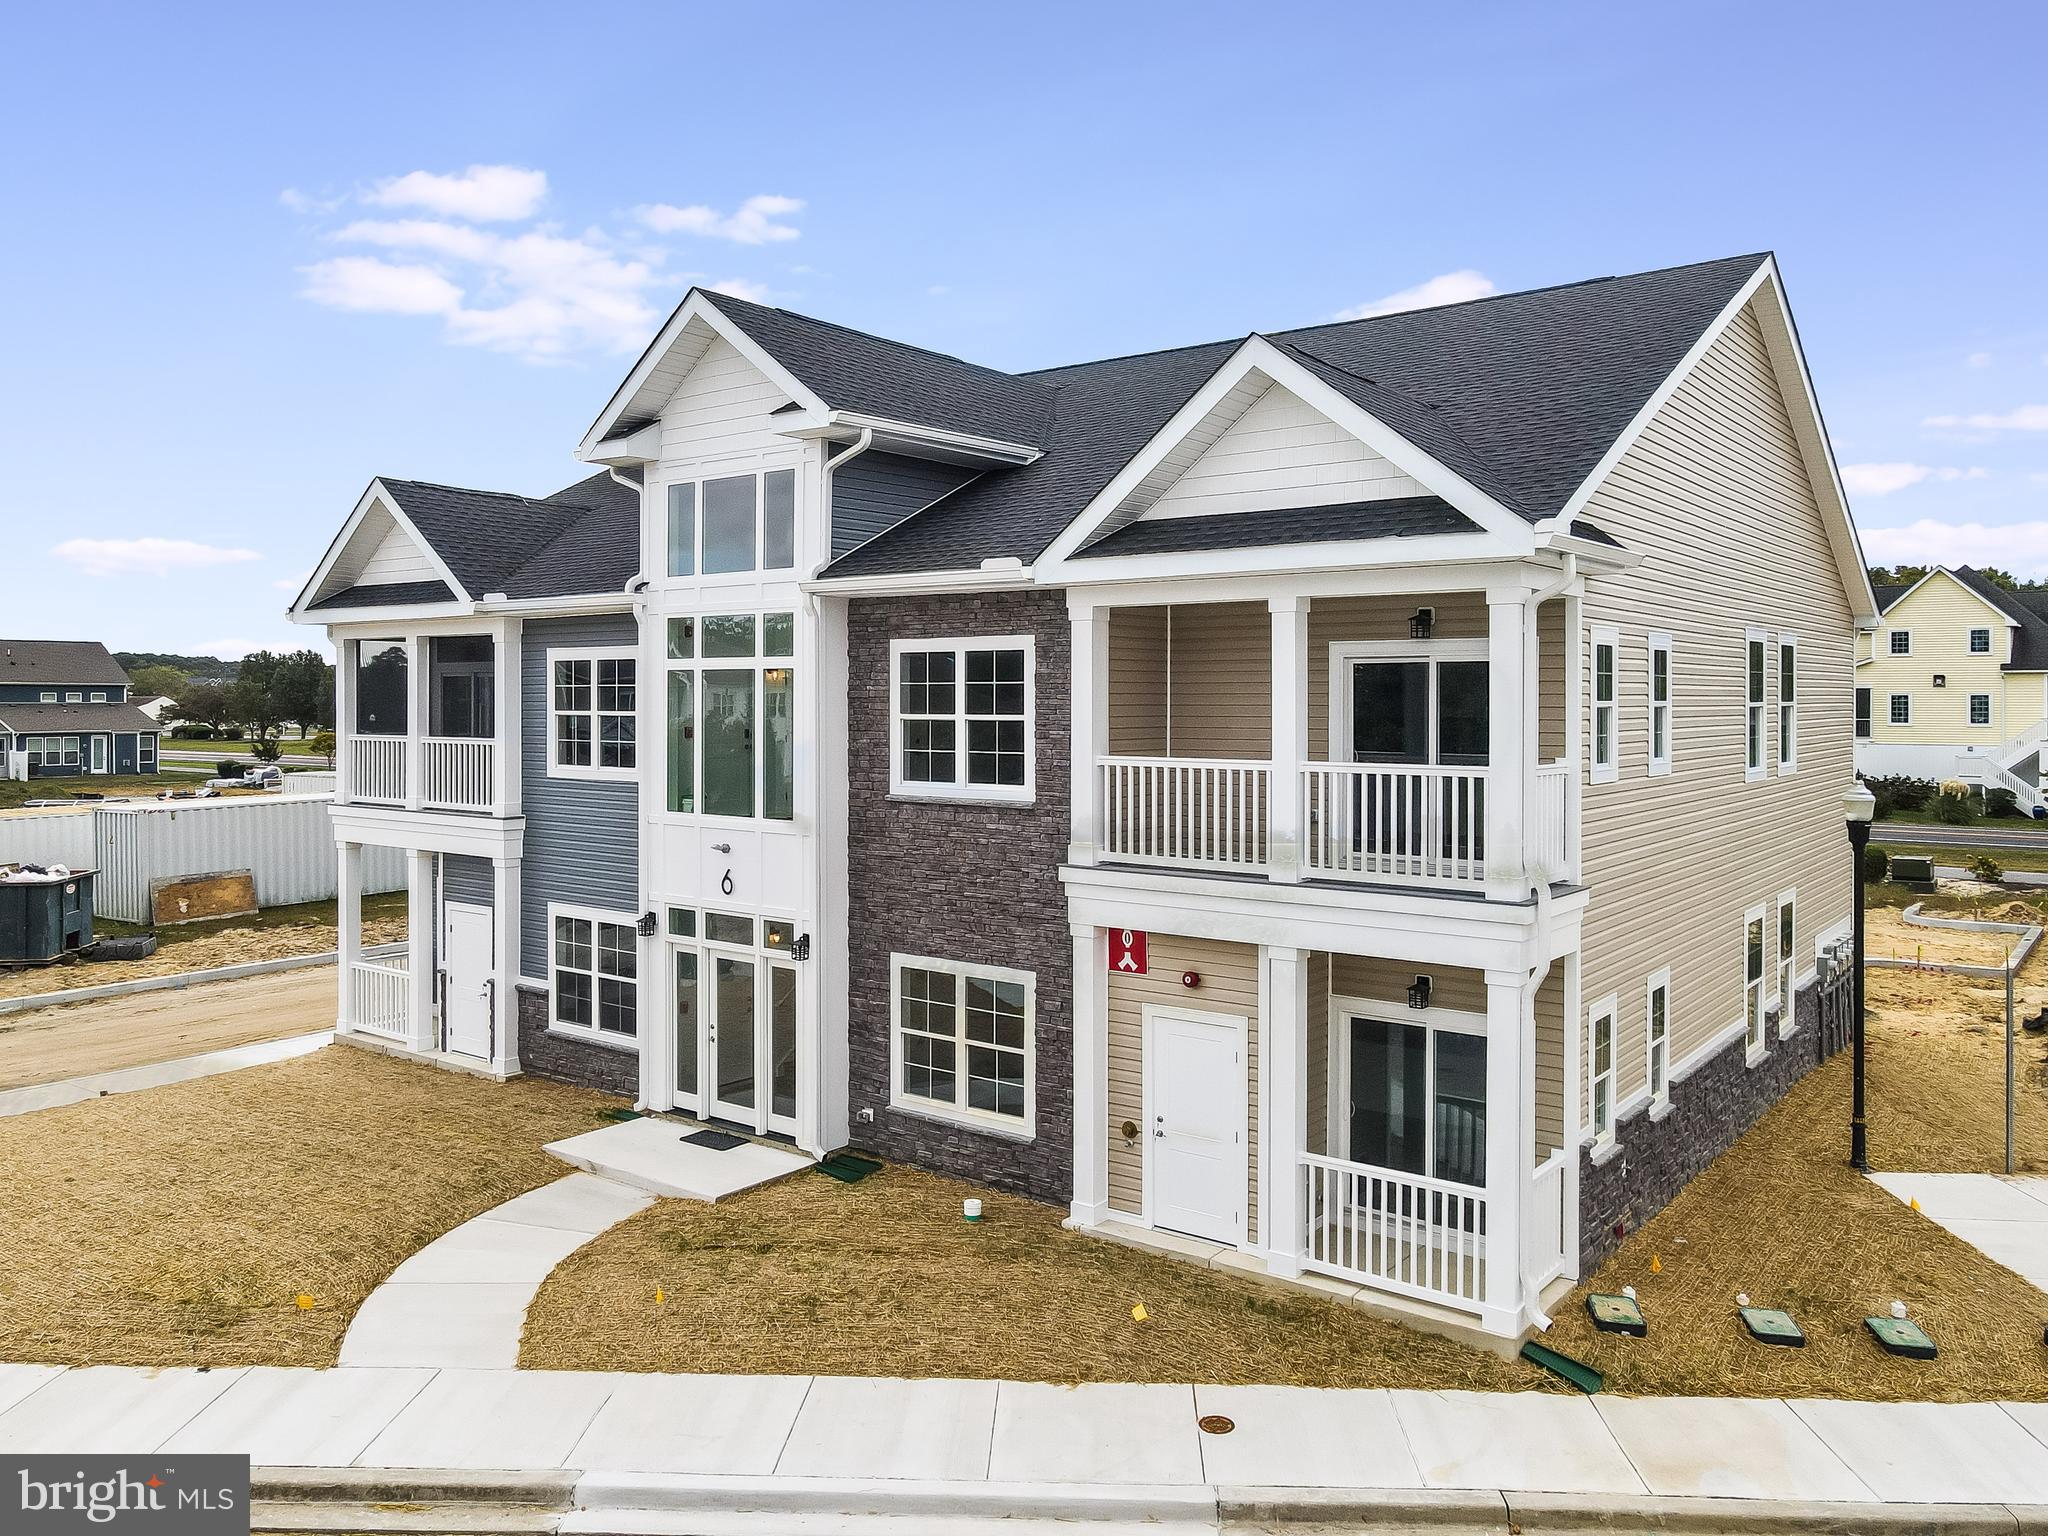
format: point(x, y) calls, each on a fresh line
point(1009, 575)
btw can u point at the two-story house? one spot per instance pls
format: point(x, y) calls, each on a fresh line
point(1361, 801)
point(1953, 684)
point(65, 710)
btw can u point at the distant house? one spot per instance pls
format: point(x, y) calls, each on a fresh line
point(64, 710)
point(158, 707)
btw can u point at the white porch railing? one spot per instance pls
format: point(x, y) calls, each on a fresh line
point(1396, 1231)
point(380, 995)
point(1544, 1227)
point(457, 773)
point(377, 769)
point(1547, 848)
point(1369, 821)
point(1188, 812)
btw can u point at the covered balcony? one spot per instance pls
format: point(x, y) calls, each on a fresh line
point(1401, 739)
point(425, 719)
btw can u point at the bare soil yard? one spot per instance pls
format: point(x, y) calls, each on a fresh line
point(178, 1226)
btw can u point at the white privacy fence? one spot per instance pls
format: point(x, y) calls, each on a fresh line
point(285, 841)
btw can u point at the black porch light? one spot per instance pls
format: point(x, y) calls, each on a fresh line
point(1418, 992)
point(1420, 627)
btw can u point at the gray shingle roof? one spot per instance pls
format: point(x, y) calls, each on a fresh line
point(2028, 608)
point(1520, 393)
point(1399, 517)
point(387, 594)
point(58, 663)
point(31, 719)
point(1888, 595)
point(582, 539)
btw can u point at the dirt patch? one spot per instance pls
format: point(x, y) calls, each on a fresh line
point(179, 1226)
point(200, 952)
point(1889, 936)
point(884, 1278)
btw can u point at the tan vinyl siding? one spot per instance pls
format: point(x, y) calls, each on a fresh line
point(1552, 632)
point(1550, 1038)
point(1230, 984)
point(1137, 682)
point(1386, 981)
point(1714, 498)
point(1222, 681)
point(1318, 1053)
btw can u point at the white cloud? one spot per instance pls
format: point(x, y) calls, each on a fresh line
point(2028, 418)
point(1444, 288)
point(490, 193)
point(741, 288)
point(306, 202)
point(1883, 479)
point(371, 286)
point(2021, 548)
point(1978, 360)
point(151, 556)
point(753, 223)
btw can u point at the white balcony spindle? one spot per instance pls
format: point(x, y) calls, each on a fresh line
point(1188, 813)
point(1397, 1232)
point(380, 993)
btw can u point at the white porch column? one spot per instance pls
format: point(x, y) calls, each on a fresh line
point(420, 912)
point(1091, 1076)
point(1508, 1146)
point(1574, 1064)
point(505, 721)
point(348, 903)
point(418, 651)
point(344, 720)
point(1574, 729)
point(1290, 736)
point(1088, 724)
point(505, 964)
point(1511, 744)
point(1283, 1067)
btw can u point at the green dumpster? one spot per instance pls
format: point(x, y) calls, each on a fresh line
point(43, 916)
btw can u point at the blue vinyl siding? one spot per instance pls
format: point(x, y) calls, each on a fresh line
point(879, 490)
point(466, 878)
point(32, 693)
point(582, 835)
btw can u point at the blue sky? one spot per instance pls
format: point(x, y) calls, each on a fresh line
point(248, 265)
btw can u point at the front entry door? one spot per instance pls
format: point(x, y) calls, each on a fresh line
point(735, 1087)
point(1195, 1169)
point(99, 754)
point(466, 984)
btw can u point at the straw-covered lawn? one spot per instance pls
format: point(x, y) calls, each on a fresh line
point(884, 1278)
point(1781, 1217)
point(178, 1226)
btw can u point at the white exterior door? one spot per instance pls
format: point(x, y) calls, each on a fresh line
point(1195, 1167)
point(466, 991)
point(99, 754)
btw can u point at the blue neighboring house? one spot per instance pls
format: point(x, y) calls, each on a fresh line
point(65, 711)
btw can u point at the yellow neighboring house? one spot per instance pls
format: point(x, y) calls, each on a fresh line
point(1954, 684)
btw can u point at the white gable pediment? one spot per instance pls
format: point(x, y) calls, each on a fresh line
point(377, 547)
point(1274, 453)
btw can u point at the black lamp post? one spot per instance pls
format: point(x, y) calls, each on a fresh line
point(1858, 805)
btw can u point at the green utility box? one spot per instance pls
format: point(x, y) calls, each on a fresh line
point(43, 917)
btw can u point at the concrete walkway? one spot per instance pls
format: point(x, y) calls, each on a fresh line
point(461, 1301)
point(660, 1441)
point(2005, 1219)
point(74, 1090)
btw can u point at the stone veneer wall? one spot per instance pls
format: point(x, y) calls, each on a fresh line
point(1720, 1099)
point(572, 1061)
point(964, 881)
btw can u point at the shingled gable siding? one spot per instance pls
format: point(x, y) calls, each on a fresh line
point(582, 848)
point(969, 882)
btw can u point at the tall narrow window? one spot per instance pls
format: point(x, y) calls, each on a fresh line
point(778, 520)
point(1660, 703)
point(1606, 749)
point(1862, 714)
point(1600, 1067)
point(1788, 703)
point(1657, 1012)
point(1980, 709)
point(1754, 676)
point(1901, 709)
point(682, 529)
point(1788, 925)
point(1753, 979)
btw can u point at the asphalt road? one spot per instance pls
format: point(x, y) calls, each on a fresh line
point(2021, 834)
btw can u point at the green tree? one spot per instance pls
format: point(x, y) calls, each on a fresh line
point(203, 704)
point(301, 688)
point(150, 681)
point(322, 744)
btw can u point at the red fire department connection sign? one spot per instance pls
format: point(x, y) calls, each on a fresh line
point(1127, 951)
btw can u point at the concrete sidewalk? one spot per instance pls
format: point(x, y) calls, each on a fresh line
point(653, 1442)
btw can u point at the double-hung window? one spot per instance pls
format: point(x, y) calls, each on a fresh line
point(1901, 641)
point(1754, 677)
point(1660, 703)
point(1600, 1067)
point(1788, 926)
point(1753, 979)
point(732, 524)
point(1980, 642)
point(732, 715)
point(1901, 710)
point(593, 975)
point(1606, 748)
point(1788, 703)
point(961, 725)
point(1980, 709)
point(963, 1041)
point(1657, 1014)
point(593, 705)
